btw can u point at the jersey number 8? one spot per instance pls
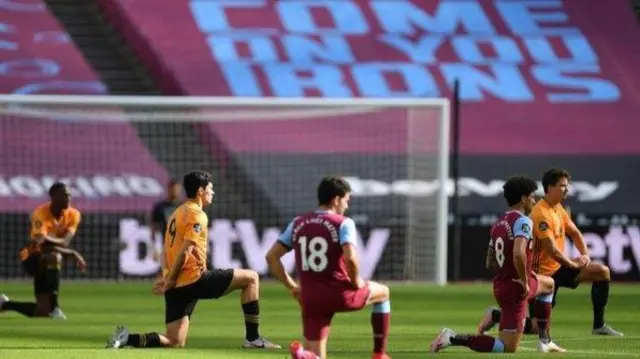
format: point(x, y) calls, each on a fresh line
point(499, 249)
point(313, 254)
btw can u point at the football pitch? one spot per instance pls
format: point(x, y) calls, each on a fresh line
point(217, 329)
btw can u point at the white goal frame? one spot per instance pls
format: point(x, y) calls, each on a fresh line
point(164, 102)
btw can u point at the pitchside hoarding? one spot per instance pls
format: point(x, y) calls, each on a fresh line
point(121, 246)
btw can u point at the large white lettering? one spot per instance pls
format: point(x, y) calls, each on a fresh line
point(97, 186)
point(619, 248)
point(223, 235)
point(583, 191)
point(321, 51)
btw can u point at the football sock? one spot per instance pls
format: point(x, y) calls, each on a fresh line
point(528, 326)
point(555, 296)
point(543, 316)
point(147, 340)
point(495, 315)
point(26, 309)
point(380, 320)
point(599, 298)
point(251, 320)
point(478, 343)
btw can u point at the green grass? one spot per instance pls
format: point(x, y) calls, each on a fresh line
point(94, 309)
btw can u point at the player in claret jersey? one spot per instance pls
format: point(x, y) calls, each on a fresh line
point(324, 242)
point(185, 279)
point(514, 283)
point(551, 225)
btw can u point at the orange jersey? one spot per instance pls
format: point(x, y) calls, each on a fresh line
point(549, 223)
point(43, 223)
point(187, 223)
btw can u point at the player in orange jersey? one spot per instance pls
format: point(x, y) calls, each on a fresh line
point(53, 226)
point(186, 280)
point(551, 225)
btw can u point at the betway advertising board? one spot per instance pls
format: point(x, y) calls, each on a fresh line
point(121, 247)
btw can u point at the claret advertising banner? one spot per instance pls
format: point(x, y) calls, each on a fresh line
point(530, 70)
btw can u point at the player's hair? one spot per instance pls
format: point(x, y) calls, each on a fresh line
point(517, 187)
point(331, 187)
point(56, 187)
point(194, 180)
point(552, 176)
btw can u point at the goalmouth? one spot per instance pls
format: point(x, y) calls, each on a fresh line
point(275, 150)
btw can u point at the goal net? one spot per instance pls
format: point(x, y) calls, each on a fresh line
point(267, 156)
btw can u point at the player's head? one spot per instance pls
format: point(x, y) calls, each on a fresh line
point(60, 195)
point(519, 192)
point(199, 184)
point(334, 193)
point(174, 190)
point(555, 182)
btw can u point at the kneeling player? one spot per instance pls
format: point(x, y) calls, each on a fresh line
point(186, 279)
point(324, 241)
point(53, 226)
point(514, 284)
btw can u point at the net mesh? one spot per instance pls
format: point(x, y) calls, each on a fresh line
point(266, 162)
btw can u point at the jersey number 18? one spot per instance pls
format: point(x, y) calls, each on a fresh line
point(313, 253)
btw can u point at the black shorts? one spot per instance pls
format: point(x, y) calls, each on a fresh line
point(181, 301)
point(31, 265)
point(566, 277)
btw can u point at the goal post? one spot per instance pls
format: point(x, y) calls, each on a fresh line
point(266, 154)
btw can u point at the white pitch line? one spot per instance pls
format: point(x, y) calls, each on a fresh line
point(590, 352)
point(578, 339)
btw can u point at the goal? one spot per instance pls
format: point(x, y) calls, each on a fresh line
point(267, 155)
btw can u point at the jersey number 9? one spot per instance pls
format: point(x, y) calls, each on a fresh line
point(172, 231)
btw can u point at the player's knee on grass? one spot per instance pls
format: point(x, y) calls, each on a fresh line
point(511, 340)
point(43, 305)
point(177, 343)
point(176, 333)
point(319, 347)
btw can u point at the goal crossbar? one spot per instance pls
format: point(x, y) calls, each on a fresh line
point(210, 101)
